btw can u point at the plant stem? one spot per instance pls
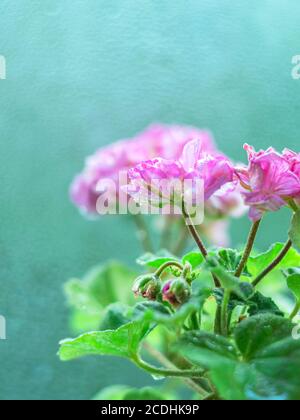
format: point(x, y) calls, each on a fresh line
point(173, 373)
point(295, 311)
point(165, 362)
point(143, 233)
point(198, 240)
point(248, 249)
point(168, 264)
point(274, 264)
point(224, 313)
point(195, 236)
point(217, 328)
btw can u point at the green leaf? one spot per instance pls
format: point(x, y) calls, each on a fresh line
point(206, 349)
point(235, 300)
point(90, 296)
point(230, 260)
point(157, 260)
point(194, 258)
point(256, 264)
point(123, 342)
point(295, 230)
point(122, 392)
point(115, 316)
point(228, 280)
point(293, 282)
point(270, 368)
point(260, 304)
point(260, 331)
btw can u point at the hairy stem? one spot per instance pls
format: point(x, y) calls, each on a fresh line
point(194, 234)
point(224, 313)
point(248, 249)
point(143, 233)
point(198, 240)
point(161, 358)
point(173, 373)
point(168, 264)
point(273, 264)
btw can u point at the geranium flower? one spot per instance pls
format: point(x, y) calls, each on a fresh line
point(163, 141)
point(195, 165)
point(268, 182)
point(293, 159)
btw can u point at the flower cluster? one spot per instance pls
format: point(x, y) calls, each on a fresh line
point(271, 181)
point(163, 141)
point(181, 153)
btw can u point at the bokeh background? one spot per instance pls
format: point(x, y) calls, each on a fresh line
point(81, 74)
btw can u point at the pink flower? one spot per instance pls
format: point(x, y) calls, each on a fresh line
point(195, 165)
point(293, 159)
point(162, 141)
point(268, 182)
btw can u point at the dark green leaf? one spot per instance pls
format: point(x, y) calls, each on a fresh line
point(260, 304)
point(260, 331)
point(115, 316)
point(230, 260)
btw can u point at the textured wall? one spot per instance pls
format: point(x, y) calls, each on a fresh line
point(81, 74)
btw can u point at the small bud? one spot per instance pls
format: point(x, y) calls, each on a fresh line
point(148, 286)
point(176, 292)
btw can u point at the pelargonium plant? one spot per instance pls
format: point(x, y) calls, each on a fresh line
point(220, 321)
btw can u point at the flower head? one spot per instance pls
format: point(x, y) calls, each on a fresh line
point(268, 183)
point(157, 141)
point(156, 178)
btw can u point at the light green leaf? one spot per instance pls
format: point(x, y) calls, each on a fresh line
point(194, 258)
point(295, 230)
point(256, 264)
point(90, 296)
point(156, 260)
point(123, 342)
point(293, 282)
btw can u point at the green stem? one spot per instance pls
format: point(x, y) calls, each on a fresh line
point(194, 322)
point(198, 240)
point(166, 265)
point(295, 311)
point(273, 264)
point(173, 373)
point(195, 234)
point(248, 249)
point(217, 328)
point(224, 313)
point(161, 358)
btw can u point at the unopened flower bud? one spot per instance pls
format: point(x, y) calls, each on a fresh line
point(176, 292)
point(148, 286)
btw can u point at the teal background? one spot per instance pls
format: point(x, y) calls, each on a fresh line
point(84, 73)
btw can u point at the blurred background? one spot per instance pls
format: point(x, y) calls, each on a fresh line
point(81, 74)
